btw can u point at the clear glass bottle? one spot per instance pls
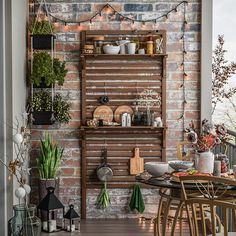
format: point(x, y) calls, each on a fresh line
point(24, 222)
point(137, 116)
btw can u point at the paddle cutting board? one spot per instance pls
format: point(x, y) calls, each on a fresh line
point(136, 163)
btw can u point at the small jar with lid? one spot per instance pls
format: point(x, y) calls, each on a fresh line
point(149, 47)
point(98, 43)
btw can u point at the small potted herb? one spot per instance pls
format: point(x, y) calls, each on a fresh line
point(42, 34)
point(47, 71)
point(48, 164)
point(46, 111)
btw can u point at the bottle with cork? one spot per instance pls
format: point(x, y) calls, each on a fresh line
point(150, 46)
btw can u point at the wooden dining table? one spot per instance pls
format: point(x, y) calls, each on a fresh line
point(170, 198)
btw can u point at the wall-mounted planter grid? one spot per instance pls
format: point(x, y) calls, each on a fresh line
point(124, 78)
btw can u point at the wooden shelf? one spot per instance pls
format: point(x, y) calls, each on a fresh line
point(122, 77)
point(118, 56)
point(122, 128)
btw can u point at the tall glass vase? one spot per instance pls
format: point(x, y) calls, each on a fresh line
point(24, 222)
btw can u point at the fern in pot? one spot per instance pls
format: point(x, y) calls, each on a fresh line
point(48, 164)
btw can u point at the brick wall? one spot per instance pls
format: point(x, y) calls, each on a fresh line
point(67, 48)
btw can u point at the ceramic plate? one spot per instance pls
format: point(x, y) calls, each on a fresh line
point(120, 110)
point(103, 112)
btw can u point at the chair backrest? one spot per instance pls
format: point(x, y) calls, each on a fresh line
point(180, 151)
point(212, 192)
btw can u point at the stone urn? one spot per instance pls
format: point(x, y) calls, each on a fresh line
point(204, 161)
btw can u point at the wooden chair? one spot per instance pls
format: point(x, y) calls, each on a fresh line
point(213, 192)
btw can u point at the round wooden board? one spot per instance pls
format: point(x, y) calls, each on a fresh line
point(120, 110)
point(103, 112)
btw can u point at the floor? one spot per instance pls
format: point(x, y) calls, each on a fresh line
point(119, 227)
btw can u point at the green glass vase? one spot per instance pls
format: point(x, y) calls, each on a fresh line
point(24, 222)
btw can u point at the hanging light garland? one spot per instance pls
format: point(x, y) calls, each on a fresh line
point(110, 9)
point(183, 37)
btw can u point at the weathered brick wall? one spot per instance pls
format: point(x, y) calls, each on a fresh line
point(67, 47)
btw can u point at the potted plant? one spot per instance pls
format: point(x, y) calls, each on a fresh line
point(46, 111)
point(42, 34)
point(47, 71)
point(210, 136)
point(48, 164)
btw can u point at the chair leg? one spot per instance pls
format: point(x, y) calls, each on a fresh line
point(190, 220)
point(165, 216)
point(181, 221)
point(179, 209)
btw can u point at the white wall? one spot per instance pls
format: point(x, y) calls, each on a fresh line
point(19, 53)
point(13, 15)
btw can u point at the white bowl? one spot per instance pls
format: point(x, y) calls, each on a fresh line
point(179, 165)
point(110, 49)
point(156, 168)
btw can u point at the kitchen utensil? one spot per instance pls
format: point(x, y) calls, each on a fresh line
point(110, 49)
point(122, 44)
point(103, 99)
point(136, 163)
point(104, 171)
point(120, 110)
point(156, 169)
point(103, 112)
point(179, 165)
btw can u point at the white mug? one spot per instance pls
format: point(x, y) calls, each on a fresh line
point(131, 48)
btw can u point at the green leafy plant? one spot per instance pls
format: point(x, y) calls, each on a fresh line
point(50, 158)
point(104, 199)
point(42, 101)
point(61, 109)
point(60, 70)
point(41, 27)
point(44, 67)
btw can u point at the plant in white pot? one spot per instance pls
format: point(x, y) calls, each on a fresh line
point(48, 164)
point(210, 136)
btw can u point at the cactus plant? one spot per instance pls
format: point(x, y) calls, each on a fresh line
point(49, 161)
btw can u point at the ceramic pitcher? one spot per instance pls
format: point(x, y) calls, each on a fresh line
point(204, 162)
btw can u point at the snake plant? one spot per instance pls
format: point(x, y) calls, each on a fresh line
point(49, 161)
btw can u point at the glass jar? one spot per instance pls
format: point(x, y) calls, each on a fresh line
point(98, 44)
point(24, 222)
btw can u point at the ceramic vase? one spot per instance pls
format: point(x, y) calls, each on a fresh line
point(204, 161)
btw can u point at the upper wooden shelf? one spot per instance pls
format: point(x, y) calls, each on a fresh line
point(124, 55)
point(122, 128)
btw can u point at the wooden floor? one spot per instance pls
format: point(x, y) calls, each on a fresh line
point(119, 227)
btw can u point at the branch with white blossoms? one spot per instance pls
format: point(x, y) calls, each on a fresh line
point(149, 98)
point(19, 166)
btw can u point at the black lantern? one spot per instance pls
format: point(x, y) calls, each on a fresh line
point(72, 220)
point(51, 205)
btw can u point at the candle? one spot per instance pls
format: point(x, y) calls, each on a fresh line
point(217, 168)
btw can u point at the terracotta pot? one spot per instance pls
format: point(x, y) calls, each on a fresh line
point(204, 162)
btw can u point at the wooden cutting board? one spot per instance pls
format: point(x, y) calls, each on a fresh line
point(136, 163)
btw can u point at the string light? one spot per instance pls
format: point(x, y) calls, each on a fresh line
point(182, 116)
point(110, 9)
